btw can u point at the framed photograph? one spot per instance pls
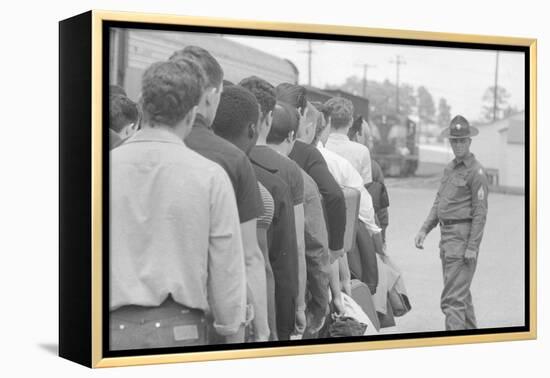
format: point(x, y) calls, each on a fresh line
point(234, 189)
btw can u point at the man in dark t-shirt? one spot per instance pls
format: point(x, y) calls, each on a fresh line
point(203, 140)
point(239, 169)
point(236, 121)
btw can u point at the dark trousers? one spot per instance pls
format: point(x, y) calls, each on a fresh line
point(167, 325)
point(456, 298)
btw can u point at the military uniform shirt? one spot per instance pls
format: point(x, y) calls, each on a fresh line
point(462, 195)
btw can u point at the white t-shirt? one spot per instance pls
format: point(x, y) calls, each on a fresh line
point(347, 176)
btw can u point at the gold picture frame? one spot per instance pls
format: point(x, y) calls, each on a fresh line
point(88, 264)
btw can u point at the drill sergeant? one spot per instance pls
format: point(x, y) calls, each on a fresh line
point(460, 209)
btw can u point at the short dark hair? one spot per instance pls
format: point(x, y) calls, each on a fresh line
point(122, 111)
point(322, 108)
point(285, 120)
point(212, 70)
point(341, 111)
point(170, 90)
point(292, 94)
point(356, 128)
point(264, 92)
point(116, 89)
point(238, 108)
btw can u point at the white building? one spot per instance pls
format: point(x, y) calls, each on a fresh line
point(500, 148)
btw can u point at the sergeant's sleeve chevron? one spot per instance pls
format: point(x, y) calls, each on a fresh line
point(480, 189)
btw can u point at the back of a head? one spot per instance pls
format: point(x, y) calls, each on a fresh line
point(341, 112)
point(325, 110)
point(122, 111)
point(264, 92)
point(312, 114)
point(238, 109)
point(356, 128)
point(170, 90)
point(308, 124)
point(292, 94)
point(321, 123)
point(116, 90)
point(212, 70)
point(227, 83)
point(285, 120)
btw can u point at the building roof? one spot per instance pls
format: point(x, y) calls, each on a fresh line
point(238, 60)
point(514, 126)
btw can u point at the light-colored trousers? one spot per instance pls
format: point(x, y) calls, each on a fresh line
point(456, 298)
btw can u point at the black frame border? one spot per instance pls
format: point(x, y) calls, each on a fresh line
point(106, 25)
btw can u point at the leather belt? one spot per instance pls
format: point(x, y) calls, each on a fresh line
point(448, 222)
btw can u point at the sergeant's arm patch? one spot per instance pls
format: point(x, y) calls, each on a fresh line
point(481, 194)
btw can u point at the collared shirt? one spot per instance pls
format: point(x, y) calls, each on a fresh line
point(235, 162)
point(462, 195)
point(310, 160)
point(286, 169)
point(174, 229)
point(356, 153)
point(347, 176)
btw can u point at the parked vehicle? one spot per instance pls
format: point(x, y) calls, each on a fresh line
point(395, 147)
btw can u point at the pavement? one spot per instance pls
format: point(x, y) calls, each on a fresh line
point(498, 286)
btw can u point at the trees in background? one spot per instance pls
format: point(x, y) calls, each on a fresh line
point(443, 113)
point(494, 110)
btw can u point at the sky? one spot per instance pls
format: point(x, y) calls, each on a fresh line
point(459, 75)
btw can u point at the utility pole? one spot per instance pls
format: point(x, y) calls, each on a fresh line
point(309, 54)
point(365, 68)
point(398, 62)
point(495, 94)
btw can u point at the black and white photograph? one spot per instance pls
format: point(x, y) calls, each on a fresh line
point(295, 191)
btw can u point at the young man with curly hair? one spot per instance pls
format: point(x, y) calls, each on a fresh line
point(176, 252)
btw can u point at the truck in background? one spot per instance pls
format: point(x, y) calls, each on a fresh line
point(395, 145)
point(394, 138)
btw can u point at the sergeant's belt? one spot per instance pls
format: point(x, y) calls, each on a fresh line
point(448, 222)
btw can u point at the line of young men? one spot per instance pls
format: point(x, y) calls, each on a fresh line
point(227, 213)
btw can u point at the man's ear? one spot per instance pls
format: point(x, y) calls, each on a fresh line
point(208, 96)
point(290, 136)
point(251, 130)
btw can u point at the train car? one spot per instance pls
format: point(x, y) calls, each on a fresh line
point(395, 147)
point(133, 50)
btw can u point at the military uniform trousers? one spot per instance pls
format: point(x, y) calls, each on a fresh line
point(456, 298)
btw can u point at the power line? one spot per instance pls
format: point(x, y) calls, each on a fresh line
point(309, 53)
point(398, 62)
point(495, 104)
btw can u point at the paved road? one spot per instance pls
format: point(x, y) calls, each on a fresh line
point(498, 286)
